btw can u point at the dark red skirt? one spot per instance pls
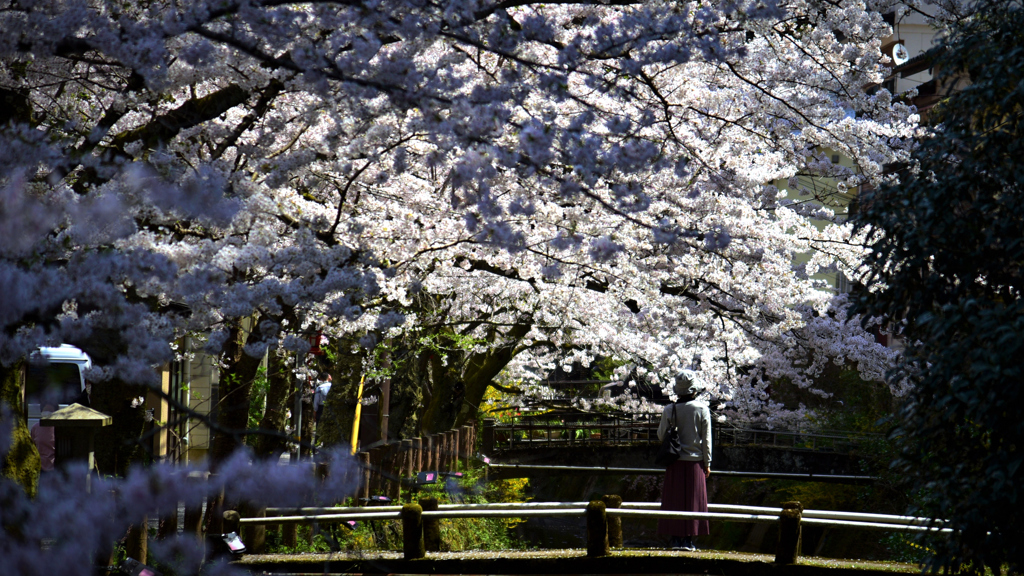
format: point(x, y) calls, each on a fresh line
point(684, 490)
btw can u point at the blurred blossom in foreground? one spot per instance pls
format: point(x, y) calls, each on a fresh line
point(65, 527)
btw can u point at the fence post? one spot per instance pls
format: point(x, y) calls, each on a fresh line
point(435, 452)
point(194, 512)
point(597, 529)
point(614, 524)
point(412, 532)
point(487, 446)
point(417, 455)
point(407, 459)
point(290, 534)
point(376, 470)
point(194, 520)
point(321, 470)
point(443, 452)
point(456, 448)
point(449, 450)
point(428, 453)
point(137, 544)
point(788, 548)
point(231, 521)
point(393, 469)
point(431, 526)
point(168, 525)
point(254, 535)
point(364, 485)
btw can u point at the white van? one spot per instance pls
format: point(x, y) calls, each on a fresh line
point(54, 378)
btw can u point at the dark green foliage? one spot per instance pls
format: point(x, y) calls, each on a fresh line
point(949, 263)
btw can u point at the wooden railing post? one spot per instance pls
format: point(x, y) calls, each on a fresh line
point(431, 526)
point(456, 448)
point(290, 535)
point(376, 466)
point(137, 543)
point(412, 532)
point(194, 520)
point(364, 485)
point(788, 548)
point(597, 529)
point(231, 521)
point(168, 526)
point(253, 535)
point(417, 455)
point(407, 459)
point(614, 524)
point(444, 452)
point(393, 471)
point(428, 452)
point(435, 452)
point(487, 446)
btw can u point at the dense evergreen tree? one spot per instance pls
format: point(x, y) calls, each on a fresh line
point(948, 267)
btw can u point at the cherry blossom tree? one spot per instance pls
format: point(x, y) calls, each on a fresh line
point(475, 186)
point(511, 177)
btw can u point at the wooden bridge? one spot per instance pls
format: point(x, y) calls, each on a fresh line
point(630, 441)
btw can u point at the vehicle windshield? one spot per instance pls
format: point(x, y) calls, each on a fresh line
point(53, 383)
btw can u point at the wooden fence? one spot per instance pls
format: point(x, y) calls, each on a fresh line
point(385, 467)
point(603, 520)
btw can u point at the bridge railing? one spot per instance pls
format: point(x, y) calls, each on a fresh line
point(570, 430)
point(834, 441)
point(603, 520)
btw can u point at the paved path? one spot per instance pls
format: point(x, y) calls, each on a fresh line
point(567, 562)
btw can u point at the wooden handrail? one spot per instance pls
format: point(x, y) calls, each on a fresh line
point(274, 515)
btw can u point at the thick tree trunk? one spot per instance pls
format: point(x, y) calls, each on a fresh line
point(427, 395)
point(339, 407)
point(271, 440)
point(21, 462)
point(233, 405)
point(459, 388)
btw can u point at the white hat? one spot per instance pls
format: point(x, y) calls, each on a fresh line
point(687, 384)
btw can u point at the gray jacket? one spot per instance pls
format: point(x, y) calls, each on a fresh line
point(693, 420)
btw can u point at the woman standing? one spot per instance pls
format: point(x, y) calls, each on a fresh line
point(685, 487)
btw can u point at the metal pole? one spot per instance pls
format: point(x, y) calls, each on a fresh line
point(186, 399)
point(359, 411)
point(383, 408)
point(297, 409)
